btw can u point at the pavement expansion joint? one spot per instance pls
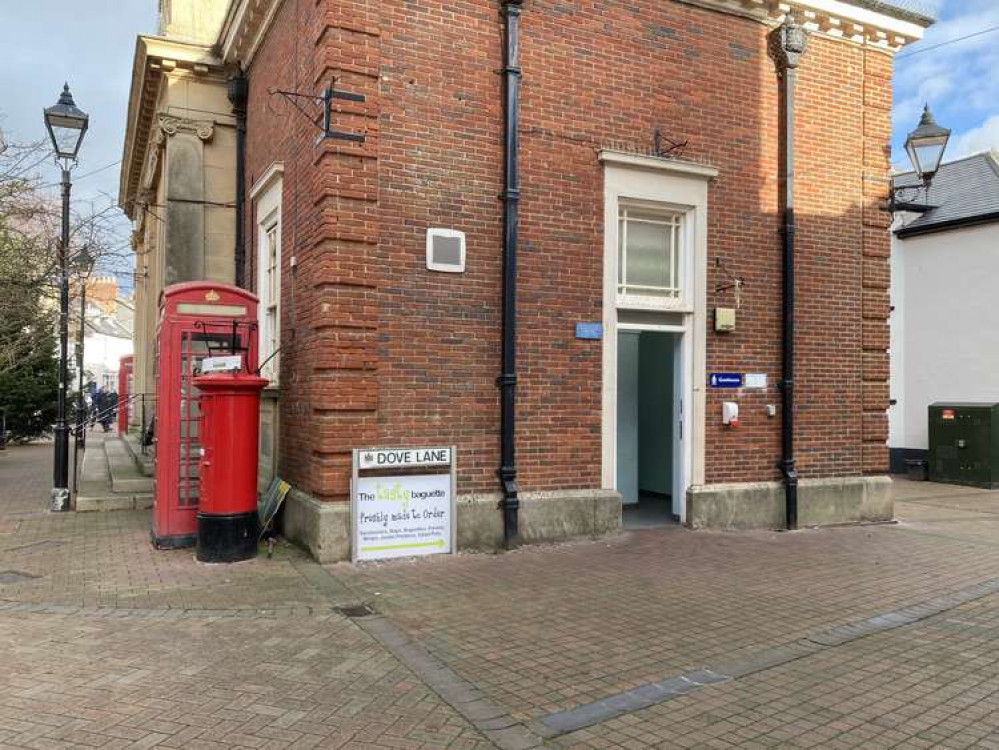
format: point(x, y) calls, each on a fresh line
point(487, 717)
point(273, 613)
point(653, 693)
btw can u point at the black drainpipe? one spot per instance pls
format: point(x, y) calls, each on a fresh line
point(788, 43)
point(238, 90)
point(507, 380)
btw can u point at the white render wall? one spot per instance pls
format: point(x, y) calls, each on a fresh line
point(945, 325)
point(102, 356)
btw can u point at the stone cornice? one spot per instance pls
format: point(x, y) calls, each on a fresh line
point(862, 21)
point(656, 163)
point(154, 57)
point(246, 22)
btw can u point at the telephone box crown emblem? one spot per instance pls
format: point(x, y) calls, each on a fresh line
point(212, 296)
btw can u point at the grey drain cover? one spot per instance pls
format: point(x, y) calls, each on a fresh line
point(354, 610)
point(15, 576)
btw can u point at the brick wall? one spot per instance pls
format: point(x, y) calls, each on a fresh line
point(378, 350)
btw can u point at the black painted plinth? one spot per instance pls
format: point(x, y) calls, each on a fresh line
point(227, 538)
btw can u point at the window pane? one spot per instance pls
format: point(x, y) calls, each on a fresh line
point(649, 253)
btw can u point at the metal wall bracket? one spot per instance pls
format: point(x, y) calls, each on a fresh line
point(325, 102)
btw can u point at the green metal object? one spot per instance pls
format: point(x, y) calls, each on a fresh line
point(964, 444)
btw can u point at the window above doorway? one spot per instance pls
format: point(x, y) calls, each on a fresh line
point(650, 255)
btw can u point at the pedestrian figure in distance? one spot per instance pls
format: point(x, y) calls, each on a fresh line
point(101, 403)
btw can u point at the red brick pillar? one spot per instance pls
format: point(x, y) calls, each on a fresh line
point(876, 251)
point(338, 280)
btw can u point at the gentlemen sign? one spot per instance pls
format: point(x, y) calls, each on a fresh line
point(406, 514)
point(389, 458)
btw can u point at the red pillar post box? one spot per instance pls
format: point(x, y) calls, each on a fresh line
point(230, 417)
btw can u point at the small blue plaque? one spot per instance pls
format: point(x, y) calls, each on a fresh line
point(589, 330)
point(726, 380)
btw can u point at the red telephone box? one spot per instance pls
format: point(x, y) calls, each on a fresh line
point(124, 391)
point(198, 319)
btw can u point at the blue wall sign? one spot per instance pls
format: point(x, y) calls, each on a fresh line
point(725, 380)
point(589, 330)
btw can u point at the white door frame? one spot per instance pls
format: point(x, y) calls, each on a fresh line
point(682, 185)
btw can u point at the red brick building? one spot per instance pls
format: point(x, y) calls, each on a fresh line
point(650, 198)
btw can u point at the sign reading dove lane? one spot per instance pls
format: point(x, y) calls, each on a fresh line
point(388, 458)
point(407, 514)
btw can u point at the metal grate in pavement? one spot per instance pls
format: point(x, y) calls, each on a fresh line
point(355, 610)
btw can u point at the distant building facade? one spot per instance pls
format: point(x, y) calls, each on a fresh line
point(177, 178)
point(108, 333)
point(944, 266)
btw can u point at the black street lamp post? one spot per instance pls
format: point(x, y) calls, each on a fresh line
point(66, 124)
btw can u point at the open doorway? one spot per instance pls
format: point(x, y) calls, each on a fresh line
point(649, 410)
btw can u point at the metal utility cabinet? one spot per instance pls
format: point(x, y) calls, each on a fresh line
point(964, 444)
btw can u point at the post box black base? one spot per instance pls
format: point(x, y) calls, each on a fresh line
point(227, 538)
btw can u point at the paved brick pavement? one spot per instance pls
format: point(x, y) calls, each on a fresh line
point(105, 559)
point(108, 643)
point(116, 645)
point(591, 619)
point(933, 684)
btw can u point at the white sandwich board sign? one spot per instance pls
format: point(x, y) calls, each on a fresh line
point(402, 515)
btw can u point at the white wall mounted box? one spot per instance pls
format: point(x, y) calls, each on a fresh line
point(724, 319)
point(730, 413)
point(445, 250)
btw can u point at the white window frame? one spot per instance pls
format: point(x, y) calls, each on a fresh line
point(266, 197)
point(676, 218)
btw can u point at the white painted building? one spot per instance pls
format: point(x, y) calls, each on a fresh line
point(108, 339)
point(944, 291)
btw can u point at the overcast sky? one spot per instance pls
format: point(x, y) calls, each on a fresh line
point(90, 44)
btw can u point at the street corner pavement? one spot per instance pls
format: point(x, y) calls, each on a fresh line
point(867, 637)
point(109, 643)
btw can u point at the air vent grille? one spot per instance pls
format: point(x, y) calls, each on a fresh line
point(445, 250)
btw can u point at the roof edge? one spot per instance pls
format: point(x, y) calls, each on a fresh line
point(943, 226)
point(890, 9)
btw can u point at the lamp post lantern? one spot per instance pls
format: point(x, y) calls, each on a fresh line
point(925, 146)
point(66, 124)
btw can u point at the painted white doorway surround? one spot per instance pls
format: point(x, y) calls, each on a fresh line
point(680, 187)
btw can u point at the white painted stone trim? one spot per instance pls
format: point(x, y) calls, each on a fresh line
point(266, 196)
point(245, 25)
point(683, 185)
point(657, 163)
point(833, 18)
point(263, 183)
